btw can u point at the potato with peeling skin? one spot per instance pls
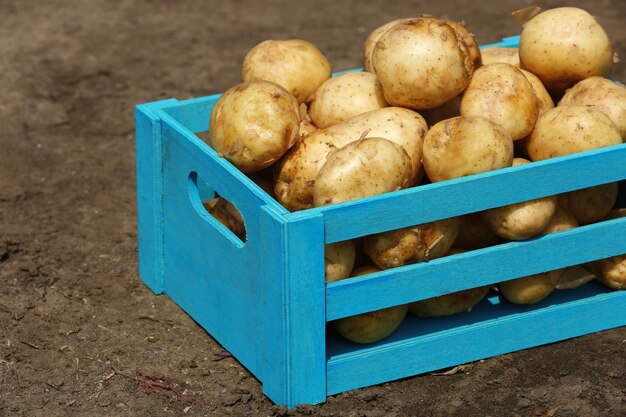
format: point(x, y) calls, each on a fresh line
point(522, 220)
point(373, 326)
point(502, 94)
point(296, 172)
point(601, 94)
point(590, 205)
point(339, 260)
point(494, 54)
point(564, 45)
point(253, 124)
point(295, 64)
point(449, 304)
point(372, 38)
point(464, 146)
point(363, 168)
point(422, 63)
point(412, 244)
point(345, 96)
point(534, 288)
point(571, 129)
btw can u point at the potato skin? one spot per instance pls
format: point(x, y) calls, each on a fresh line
point(564, 45)
point(345, 96)
point(602, 94)
point(495, 54)
point(295, 64)
point(363, 168)
point(296, 172)
point(464, 146)
point(407, 55)
point(253, 124)
point(372, 38)
point(545, 100)
point(502, 94)
point(339, 260)
point(373, 326)
point(571, 129)
point(590, 205)
point(412, 244)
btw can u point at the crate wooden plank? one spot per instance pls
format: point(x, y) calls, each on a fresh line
point(293, 309)
point(424, 345)
point(193, 114)
point(475, 268)
point(473, 193)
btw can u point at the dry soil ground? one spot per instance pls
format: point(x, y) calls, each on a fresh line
point(79, 333)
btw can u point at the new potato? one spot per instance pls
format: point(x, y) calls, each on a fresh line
point(372, 38)
point(339, 260)
point(590, 205)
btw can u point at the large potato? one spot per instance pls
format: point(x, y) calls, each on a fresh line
point(373, 37)
point(495, 54)
point(253, 124)
point(474, 233)
point(422, 63)
point(363, 168)
point(345, 96)
point(295, 64)
point(570, 129)
point(590, 205)
point(453, 303)
point(339, 260)
point(502, 94)
point(412, 244)
point(602, 94)
point(464, 146)
point(522, 220)
point(563, 46)
point(534, 288)
point(373, 326)
point(297, 170)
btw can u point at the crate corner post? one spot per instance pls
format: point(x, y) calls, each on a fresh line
point(294, 306)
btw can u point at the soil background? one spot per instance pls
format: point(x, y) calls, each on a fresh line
point(79, 333)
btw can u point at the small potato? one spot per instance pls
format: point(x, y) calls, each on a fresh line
point(464, 146)
point(373, 37)
point(522, 220)
point(412, 244)
point(407, 57)
point(253, 124)
point(545, 100)
point(602, 94)
point(373, 326)
point(339, 260)
point(571, 129)
point(295, 64)
point(590, 205)
point(502, 94)
point(449, 304)
point(227, 214)
point(297, 170)
point(563, 46)
point(495, 54)
point(612, 271)
point(474, 233)
point(345, 96)
point(363, 168)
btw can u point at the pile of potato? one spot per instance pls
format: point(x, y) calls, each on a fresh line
point(429, 107)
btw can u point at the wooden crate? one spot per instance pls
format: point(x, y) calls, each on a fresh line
point(265, 299)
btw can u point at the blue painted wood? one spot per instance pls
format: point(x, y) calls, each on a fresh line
point(293, 308)
point(148, 162)
point(476, 268)
point(470, 194)
point(424, 345)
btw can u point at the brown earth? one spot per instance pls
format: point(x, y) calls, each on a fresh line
point(79, 333)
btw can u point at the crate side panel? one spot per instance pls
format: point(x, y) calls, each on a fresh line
point(213, 277)
point(194, 114)
point(488, 266)
point(294, 310)
point(492, 330)
point(473, 193)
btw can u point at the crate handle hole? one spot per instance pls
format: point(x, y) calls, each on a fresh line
point(219, 212)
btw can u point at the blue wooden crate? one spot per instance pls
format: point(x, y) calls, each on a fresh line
point(265, 299)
